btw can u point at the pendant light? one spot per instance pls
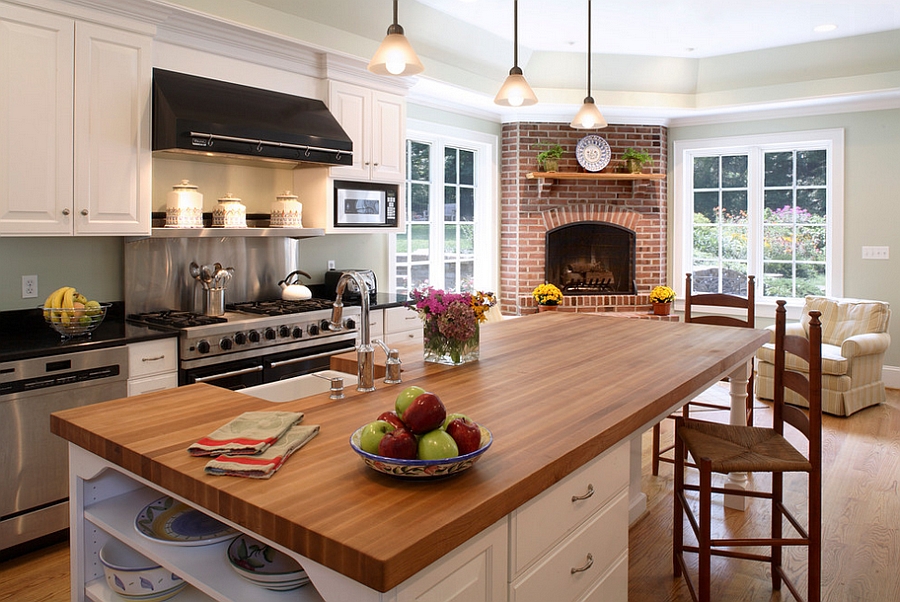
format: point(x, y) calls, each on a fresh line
point(395, 56)
point(589, 117)
point(515, 91)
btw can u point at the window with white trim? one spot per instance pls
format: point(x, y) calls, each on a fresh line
point(769, 205)
point(450, 238)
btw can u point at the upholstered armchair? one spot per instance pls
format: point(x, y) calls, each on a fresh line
point(854, 340)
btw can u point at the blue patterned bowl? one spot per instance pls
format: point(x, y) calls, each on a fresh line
point(136, 577)
point(426, 469)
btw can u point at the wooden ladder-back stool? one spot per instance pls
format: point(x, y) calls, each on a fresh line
point(746, 320)
point(723, 448)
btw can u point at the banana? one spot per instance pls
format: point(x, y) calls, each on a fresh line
point(54, 302)
point(79, 298)
point(68, 306)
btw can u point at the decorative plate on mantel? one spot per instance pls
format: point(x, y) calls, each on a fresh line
point(593, 153)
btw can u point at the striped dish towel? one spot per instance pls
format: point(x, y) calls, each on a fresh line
point(249, 433)
point(265, 464)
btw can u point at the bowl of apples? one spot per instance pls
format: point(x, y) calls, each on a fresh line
point(419, 439)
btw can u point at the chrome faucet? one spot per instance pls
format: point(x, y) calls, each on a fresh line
point(365, 353)
point(392, 364)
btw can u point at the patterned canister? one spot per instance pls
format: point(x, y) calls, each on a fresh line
point(184, 206)
point(230, 212)
point(287, 211)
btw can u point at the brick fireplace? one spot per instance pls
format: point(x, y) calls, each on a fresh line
point(530, 208)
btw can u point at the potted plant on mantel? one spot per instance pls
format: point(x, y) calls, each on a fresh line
point(635, 160)
point(548, 159)
point(662, 298)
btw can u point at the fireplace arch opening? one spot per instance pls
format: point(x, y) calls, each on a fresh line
point(591, 258)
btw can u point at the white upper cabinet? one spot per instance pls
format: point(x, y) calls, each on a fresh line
point(376, 122)
point(74, 126)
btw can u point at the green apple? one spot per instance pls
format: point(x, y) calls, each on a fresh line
point(451, 417)
point(371, 435)
point(405, 397)
point(437, 445)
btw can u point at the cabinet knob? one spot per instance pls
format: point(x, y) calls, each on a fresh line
point(66, 211)
point(84, 212)
point(366, 163)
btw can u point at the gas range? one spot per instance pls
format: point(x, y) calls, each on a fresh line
point(252, 329)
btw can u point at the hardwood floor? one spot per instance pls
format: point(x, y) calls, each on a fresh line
point(861, 534)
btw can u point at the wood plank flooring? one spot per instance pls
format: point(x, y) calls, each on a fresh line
point(861, 534)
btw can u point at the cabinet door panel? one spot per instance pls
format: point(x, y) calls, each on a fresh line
point(349, 104)
point(36, 93)
point(388, 138)
point(112, 131)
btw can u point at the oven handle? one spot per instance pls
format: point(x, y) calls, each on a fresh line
point(203, 379)
point(297, 360)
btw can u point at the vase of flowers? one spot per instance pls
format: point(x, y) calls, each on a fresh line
point(662, 298)
point(548, 297)
point(451, 323)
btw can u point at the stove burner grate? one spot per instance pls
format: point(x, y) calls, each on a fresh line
point(176, 319)
point(280, 307)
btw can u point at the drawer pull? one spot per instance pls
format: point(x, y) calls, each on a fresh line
point(588, 564)
point(153, 359)
point(590, 492)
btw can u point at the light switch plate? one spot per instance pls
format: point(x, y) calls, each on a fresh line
point(876, 252)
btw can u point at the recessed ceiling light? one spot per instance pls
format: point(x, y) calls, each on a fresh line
point(824, 28)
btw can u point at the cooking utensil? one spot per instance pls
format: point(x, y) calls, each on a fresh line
point(194, 270)
point(292, 289)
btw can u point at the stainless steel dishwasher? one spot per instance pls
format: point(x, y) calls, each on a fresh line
point(34, 461)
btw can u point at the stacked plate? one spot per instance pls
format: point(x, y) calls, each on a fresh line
point(263, 565)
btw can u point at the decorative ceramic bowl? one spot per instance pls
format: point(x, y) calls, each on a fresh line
point(75, 322)
point(422, 468)
point(263, 565)
point(136, 577)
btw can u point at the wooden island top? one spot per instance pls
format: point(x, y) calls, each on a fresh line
point(556, 390)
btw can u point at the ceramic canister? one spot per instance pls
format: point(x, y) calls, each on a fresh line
point(287, 212)
point(184, 206)
point(230, 212)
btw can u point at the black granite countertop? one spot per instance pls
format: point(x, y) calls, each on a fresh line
point(24, 334)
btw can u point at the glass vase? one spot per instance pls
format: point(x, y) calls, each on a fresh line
point(440, 349)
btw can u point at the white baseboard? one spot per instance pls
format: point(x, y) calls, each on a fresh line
point(891, 377)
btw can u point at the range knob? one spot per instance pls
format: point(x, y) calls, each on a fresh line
point(203, 346)
point(350, 324)
point(240, 338)
point(284, 331)
point(325, 326)
point(297, 332)
point(253, 336)
point(313, 329)
point(270, 334)
point(225, 344)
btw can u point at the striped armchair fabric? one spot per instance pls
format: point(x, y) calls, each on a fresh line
point(854, 340)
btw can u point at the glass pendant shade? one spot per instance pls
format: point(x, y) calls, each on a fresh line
point(515, 91)
point(589, 116)
point(395, 56)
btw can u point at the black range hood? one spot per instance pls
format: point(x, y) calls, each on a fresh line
point(212, 118)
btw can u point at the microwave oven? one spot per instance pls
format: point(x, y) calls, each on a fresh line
point(365, 205)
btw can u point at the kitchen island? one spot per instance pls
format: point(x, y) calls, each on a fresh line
point(545, 507)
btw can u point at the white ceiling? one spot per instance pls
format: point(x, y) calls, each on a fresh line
point(671, 28)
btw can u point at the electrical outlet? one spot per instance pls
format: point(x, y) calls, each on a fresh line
point(331, 264)
point(876, 252)
point(29, 287)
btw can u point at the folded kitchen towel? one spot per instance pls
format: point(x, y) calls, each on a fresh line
point(249, 433)
point(263, 465)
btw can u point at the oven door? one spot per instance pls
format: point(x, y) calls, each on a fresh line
point(297, 363)
point(229, 375)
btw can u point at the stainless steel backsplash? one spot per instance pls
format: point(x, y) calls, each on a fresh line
point(157, 275)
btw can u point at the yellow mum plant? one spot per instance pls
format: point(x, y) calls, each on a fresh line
point(662, 294)
point(547, 294)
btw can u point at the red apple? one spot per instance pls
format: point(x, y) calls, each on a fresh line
point(399, 444)
point(392, 418)
point(466, 434)
point(425, 413)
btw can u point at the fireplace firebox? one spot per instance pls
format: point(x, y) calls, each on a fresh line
point(591, 258)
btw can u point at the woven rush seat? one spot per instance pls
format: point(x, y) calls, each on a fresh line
point(741, 449)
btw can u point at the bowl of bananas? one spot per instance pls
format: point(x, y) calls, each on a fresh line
point(71, 314)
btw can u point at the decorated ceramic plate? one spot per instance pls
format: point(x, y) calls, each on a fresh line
point(263, 565)
point(422, 468)
point(168, 521)
point(593, 153)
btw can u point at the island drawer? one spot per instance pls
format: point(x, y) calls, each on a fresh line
point(551, 516)
point(152, 357)
point(593, 553)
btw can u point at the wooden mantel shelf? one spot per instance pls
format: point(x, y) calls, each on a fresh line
point(562, 175)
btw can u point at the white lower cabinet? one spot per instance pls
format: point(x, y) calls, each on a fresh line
point(152, 366)
point(402, 325)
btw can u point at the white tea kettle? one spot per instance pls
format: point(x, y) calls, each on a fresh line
point(294, 291)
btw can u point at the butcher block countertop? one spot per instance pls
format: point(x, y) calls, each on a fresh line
point(556, 389)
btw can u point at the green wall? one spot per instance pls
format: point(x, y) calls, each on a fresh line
point(871, 195)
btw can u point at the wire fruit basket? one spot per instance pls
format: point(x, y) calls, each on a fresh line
point(74, 322)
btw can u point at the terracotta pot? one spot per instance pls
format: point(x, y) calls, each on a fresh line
point(662, 309)
point(543, 308)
